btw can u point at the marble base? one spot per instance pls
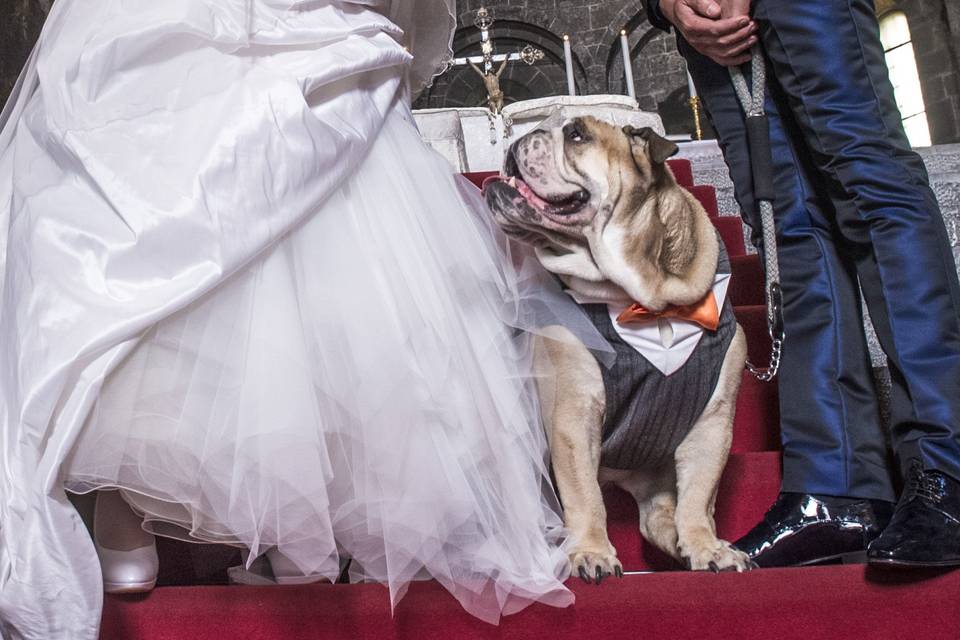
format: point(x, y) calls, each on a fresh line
point(485, 138)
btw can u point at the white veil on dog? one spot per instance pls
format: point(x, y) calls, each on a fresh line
point(159, 162)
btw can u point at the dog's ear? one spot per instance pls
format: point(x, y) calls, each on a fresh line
point(646, 140)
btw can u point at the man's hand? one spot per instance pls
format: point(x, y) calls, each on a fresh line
point(725, 40)
point(734, 8)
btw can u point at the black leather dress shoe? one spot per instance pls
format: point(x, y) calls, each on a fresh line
point(925, 529)
point(802, 529)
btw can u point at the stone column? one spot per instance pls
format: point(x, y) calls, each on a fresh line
point(935, 31)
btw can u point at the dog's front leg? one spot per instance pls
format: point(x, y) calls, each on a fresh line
point(700, 460)
point(573, 400)
point(655, 491)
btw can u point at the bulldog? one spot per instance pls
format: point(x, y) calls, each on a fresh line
point(605, 215)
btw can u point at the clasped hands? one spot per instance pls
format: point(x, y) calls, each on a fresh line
point(719, 29)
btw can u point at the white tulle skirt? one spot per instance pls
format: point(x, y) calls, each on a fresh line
point(361, 390)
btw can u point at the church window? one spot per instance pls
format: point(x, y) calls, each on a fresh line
point(898, 50)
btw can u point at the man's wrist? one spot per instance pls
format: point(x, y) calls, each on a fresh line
point(655, 14)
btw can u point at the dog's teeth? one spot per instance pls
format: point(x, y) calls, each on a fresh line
point(512, 182)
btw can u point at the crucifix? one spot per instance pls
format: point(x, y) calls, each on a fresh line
point(483, 64)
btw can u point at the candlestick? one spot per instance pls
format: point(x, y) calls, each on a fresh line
point(568, 60)
point(627, 64)
point(695, 105)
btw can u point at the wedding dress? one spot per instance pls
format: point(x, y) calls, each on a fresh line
point(237, 286)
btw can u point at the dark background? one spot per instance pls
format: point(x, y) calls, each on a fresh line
point(594, 27)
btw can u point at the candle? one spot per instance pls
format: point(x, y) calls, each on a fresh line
point(568, 59)
point(627, 65)
point(690, 85)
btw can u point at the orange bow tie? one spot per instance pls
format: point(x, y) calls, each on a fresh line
point(704, 313)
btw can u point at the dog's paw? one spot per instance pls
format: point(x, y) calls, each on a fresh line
point(714, 555)
point(594, 563)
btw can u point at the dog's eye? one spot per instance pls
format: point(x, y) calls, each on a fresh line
point(574, 134)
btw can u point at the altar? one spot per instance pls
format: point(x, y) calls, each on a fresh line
point(476, 139)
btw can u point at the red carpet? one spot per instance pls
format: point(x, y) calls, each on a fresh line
point(811, 603)
point(750, 484)
point(756, 426)
point(707, 195)
point(731, 231)
point(746, 286)
point(814, 603)
point(753, 319)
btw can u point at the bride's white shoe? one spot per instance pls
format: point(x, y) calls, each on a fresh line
point(128, 554)
point(286, 572)
point(271, 568)
point(133, 571)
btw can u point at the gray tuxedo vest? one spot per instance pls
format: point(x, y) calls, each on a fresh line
point(648, 414)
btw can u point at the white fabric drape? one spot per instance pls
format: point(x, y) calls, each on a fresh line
point(428, 27)
point(150, 150)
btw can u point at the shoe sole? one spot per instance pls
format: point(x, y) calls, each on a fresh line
point(129, 587)
point(302, 580)
point(912, 564)
point(239, 575)
point(853, 557)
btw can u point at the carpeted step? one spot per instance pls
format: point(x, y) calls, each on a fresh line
point(749, 485)
point(477, 177)
point(786, 604)
point(731, 232)
point(756, 426)
point(747, 284)
point(707, 195)
point(682, 171)
point(753, 319)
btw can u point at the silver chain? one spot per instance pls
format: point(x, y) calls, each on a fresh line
point(770, 371)
point(752, 103)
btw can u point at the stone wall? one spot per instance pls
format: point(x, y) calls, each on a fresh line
point(594, 30)
point(594, 27)
point(20, 23)
point(935, 31)
point(659, 70)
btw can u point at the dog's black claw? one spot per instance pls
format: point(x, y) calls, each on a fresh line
point(753, 565)
point(714, 567)
point(584, 575)
point(686, 563)
point(618, 571)
point(599, 574)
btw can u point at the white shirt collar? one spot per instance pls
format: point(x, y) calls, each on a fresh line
point(666, 342)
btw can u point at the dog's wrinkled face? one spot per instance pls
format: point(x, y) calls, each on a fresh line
point(563, 182)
